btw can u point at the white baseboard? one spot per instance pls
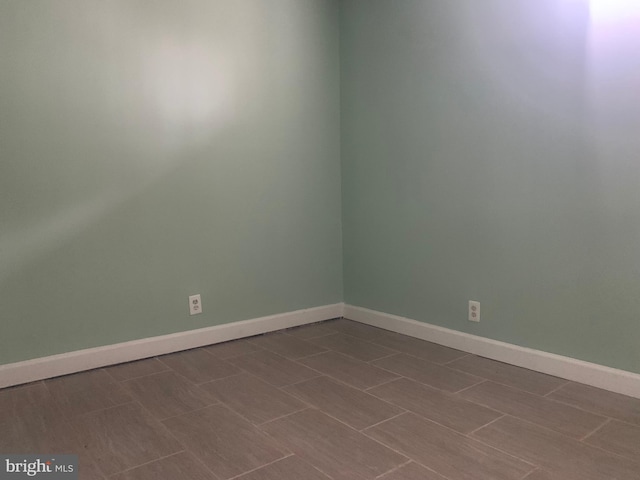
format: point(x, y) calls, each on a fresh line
point(72, 362)
point(612, 379)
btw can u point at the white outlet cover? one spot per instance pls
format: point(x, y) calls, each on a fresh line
point(195, 304)
point(474, 311)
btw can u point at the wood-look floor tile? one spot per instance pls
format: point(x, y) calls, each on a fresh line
point(600, 401)
point(429, 373)
point(31, 422)
point(307, 332)
point(231, 349)
point(349, 405)
point(356, 329)
point(353, 346)
point(517, 377)
point(226, 443)
point(451, 454)
point(168, 394)
point(198, 365)
point(286, 345)
point(273, 368)
point(139, 368)
point(254, 399)
point(181, 466)
point(86, 392)
point(543, 475)
point(618, 437)
point(290, 468)
point(332, 447)
point(123, 437)
point(557, 453)
point(534, 408)
point(441, 407)
point(412, 471)
point(418, 348)
point(348, 370)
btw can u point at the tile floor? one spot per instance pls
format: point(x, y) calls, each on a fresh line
point(336, 400)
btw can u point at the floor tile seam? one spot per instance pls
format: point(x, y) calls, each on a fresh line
point(485, 425)
point(380, 358)
point(145, 463)
point(386, 382)
point(468, 388)
point(427, 359)
point(159, 423)
point(634, 460)
point(306, 356)
point(468, 436)
point(432, 363)
point(404, 455)
point(281, 386)
point(498, 412)
point(298, 410)
point(520, 389)
point(527, 475)
point(496, 409)
point(567, 382)
point(600, 414)
point(399, 376)
point(362, 430)
point(199, 384)
point(606, 421)
point(129, 380)
point(467, 354)
point(364, 391)
point(565, 437)
point(393, 469)
point(261, 466)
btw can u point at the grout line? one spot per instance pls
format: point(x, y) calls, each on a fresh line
point(593, 412)
point(304, 357)
point(383, 383)
point(385, 420)
point(606, 422)
point(319, 374)
point(306, 407)
point(393, 469)
point(467, 354)
point(485, 425)
point(483, 380)
point(261, 466)
point(145, 463)
point(310, 407)
point(382, 358)
point(557, 388)
point(537, 469)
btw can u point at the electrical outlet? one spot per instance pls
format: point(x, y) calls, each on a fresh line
point(474, 311)
point(195, 304)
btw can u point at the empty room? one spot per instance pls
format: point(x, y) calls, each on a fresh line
point(320, 239)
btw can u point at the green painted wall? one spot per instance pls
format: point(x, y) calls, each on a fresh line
point(150, 150)
point(154, 149)
point(491, 151)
